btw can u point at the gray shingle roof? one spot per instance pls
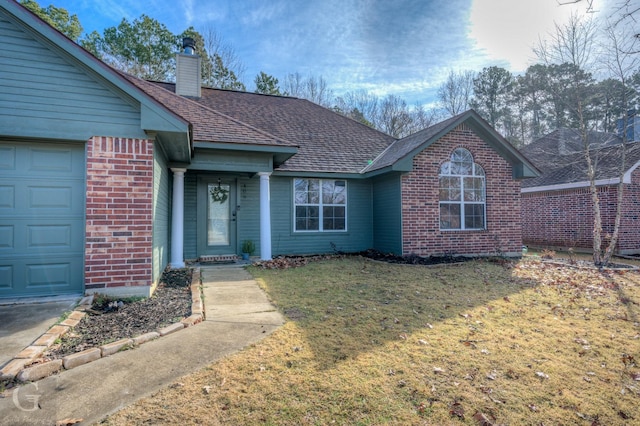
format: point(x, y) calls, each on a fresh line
point(560, 157)
point(405, 146)
point(208, 124)
point(327, 141)
point(411, 145)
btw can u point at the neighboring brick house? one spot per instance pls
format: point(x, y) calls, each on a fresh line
point(557, 211)
point(106, 179)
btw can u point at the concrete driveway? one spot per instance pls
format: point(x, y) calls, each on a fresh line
point(23, 321)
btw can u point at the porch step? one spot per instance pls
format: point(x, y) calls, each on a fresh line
point(223, 258)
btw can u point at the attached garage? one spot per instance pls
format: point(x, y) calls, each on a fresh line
point(81, 148)
point(42, 199)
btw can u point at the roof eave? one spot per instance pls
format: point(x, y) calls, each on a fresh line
point(280, 153)
point(572, 185)
point(319, 174)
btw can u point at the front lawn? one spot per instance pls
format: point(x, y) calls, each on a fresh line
point(480, 343)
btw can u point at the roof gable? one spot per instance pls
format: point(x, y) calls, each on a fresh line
point(399, 156)
point(69, 64)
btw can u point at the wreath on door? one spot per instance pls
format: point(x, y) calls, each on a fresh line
point(219, 194)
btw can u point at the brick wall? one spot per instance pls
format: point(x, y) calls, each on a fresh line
point(629, 241)
point(564, 218)
point(119, 215)
point(420, 202)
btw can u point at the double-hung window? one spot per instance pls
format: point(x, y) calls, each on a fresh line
point(320, 205)
point(462, 193)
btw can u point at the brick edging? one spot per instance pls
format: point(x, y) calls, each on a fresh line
point(20, 367)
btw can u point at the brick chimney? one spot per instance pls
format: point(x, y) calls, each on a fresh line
point(188, 82)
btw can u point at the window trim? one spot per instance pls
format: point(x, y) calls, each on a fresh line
point(462, 202)
point(320, 206)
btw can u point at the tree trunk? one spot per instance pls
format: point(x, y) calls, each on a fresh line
point(597, 217)
point(616, 227)
point(593, 190)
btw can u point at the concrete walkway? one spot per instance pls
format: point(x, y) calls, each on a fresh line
point(238, 314)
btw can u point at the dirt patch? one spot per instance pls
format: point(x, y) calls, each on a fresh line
point(112, 319)
point(294, 314)
point(584, 264)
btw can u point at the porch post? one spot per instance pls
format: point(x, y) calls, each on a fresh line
point(265, 216)
point(177, 219)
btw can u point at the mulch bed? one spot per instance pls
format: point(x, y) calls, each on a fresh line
point(285, 262)
point(412, 259)
point(169, 304)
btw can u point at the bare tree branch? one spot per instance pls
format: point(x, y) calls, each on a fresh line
point(589, 4)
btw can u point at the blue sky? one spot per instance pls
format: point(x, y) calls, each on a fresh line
point(401, 47)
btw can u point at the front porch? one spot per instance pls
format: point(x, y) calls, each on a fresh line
point(214, 212)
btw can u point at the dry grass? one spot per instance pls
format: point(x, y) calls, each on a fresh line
point(479, 343)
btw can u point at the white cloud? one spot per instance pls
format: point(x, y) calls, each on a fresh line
point(114, 10)
point(506, 30)
point(401, 47)
point(187, 9)
point(262, 14)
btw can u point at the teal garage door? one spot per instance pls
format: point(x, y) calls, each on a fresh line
point(41, 219)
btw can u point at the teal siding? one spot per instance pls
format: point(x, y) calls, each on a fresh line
point(161, 206)
point(228, 161)
point(249, 212)
point(284, 241)
point(387, 214)
point(62, 99)
point(190, 215)
point(358, 236)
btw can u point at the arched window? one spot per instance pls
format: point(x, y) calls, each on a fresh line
point(462, 193)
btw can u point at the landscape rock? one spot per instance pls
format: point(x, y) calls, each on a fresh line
point(40, 371)
point(81, 358)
